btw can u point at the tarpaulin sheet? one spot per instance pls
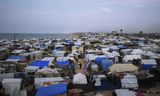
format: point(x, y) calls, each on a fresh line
point(16, 57)
point(52, 90)
point(39, 63)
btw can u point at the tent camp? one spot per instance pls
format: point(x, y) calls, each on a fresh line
point(148, 63)
point(118, 68)
point(52, 90)
point(129, 81)
point(79, 78)
point(40, 63)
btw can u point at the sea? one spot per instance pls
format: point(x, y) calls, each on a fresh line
point(20, 36)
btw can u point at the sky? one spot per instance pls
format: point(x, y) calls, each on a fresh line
point(68, 16)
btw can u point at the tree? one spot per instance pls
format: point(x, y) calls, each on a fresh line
point(141, 33)
point(121, 30)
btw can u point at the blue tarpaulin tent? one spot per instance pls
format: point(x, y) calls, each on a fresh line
point(40, 63)
point(52, 90)
point(122, 47)
point(148, 64)
point(107, 85)
point(99, 59)
point(63, 63)
point(16, 57)
point(106, 64)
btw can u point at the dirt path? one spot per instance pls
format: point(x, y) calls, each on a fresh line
point(82, 70)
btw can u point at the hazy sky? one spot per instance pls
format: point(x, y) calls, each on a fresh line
point(64, 16)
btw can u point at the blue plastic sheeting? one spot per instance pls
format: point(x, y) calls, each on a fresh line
point(63, 63)
point(16, 57)
point(106, 64)
point(122, 47)
point(52, 90)
point(147, 66)
point(107, 85)
point(98, 60)
point(39, 63)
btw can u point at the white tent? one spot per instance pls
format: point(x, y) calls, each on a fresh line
point(39, 81)
point(123, 68)
point(79, 78)
point(137, 52)
point(11, 84)
point(129, 81)
point(149, 61)
point(18, 51)
point(6, 75)
point(112, 54)
point(46, 70)
point(149, 53)
point(124, 92)
point(131, 57)
point(31, 69)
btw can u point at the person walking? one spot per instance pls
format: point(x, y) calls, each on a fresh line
point(80, 65)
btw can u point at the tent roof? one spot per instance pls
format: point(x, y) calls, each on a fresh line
point(124, 92)
point(16, 57)
point(131, 57)
point(52, 90)
point(40, 63)
point(79, 78)
point(137, 51)
point(123, 68)
point(129, 81)
point(149, 61)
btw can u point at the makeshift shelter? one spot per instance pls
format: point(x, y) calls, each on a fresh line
point(37, 54)
point(105, 64)
point(57, 53)
point(40, 63)
point(108, 85)
point(122, 47)
point(50, 59)
point(52, 90)
point(6, 75)
point(125, 92)
point(148, 64)
point(112, 54)
point(129, 81)
point(40, 81)
point(29, 69)
point(128, 58)
point(137, 52)
point(64, 64)
point(99, 59)
point(47, 70)
point(118, 68)
point(11, 84)
point(15, 58)
point(126, 51)
point(18, 51)
point(79, 78)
